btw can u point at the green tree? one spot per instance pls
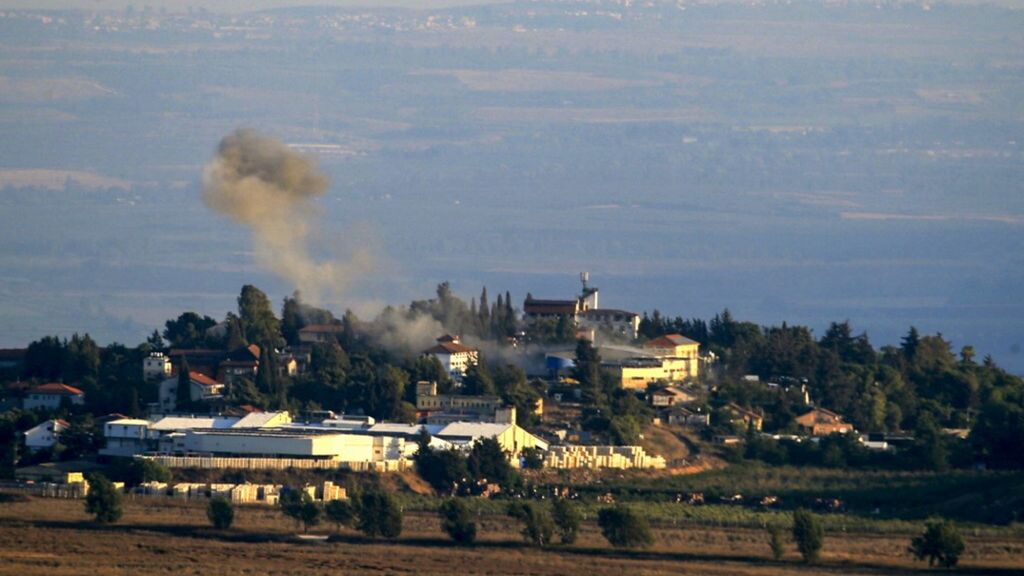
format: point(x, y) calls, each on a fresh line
point(103, 500)
point(82, 360)
point(940, 543)
point(533, 458)
point(776, 543)
point(236, 333)
point(329, 363)
point(44, 359)
point(188, 330)
point(477, 381)
point(384, 394)
point(220, 512)
point(567, 519)
point(444, 470)
point(9, 445)
point(808, 534)
point(341, 513)
point(587, 371)
point(258, 320)
point(379, 515)
point(537, 525)
point(183, 392)
point(929, 449)
point(624, 528)
point(299, 506)
point(135, 471)
point(457, 521)
point(487, 461)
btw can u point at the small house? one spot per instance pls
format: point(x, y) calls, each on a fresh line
point(822, 422)
point(45, 435)
point(50, 396)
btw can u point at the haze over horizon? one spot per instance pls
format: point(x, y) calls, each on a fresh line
point(797, 163)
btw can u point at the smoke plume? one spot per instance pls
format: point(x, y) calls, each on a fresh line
point(261, 183)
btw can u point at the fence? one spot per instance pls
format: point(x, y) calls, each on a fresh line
point(223, 463)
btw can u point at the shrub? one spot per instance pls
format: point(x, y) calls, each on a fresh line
point(940, 543)
point(533, 458)
point(379, 515)
point(775, 541)
point(341, 513)
point(537, 525)
point(220, 512)
point(567, 520)
point(300, 506)
point(624, 528)
point(103, 500)
point(808, 534)
point(457, 521)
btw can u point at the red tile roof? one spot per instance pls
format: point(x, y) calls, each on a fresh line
point(669, 341)
point(448, 348)
point(57, 388)
point(202, 379)
point(322, 328)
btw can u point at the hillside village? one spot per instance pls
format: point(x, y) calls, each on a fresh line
point(559, 384)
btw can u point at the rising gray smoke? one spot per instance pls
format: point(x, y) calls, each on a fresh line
point(261, 183)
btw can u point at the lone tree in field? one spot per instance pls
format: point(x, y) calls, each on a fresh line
point(807, 534)
point(537, 525)
point(567, 519)
point(103, 500)
point(300, 506)
point(379, 515)
point(940, 543)
point(220, 512)
point(341, 513)
point(624, 528)
point(776, 543)
point(457, 521)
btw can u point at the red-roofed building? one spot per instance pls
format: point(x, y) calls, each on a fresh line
point(320, 333)
point(202, 389)
point(822, 422)
point(679, 355)
point(51, 395)
point(45, 434)
point(455, 357)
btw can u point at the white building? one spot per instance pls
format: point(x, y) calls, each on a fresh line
point(127, 437)
point(156, 365)
point(455, 357)
point(130, 436)
point(511, 437)
point(50, 396)
point(201, 388)
point(610, 321)
point(45, 434)
point(320, 333)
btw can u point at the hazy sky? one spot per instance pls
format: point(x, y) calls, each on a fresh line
point(231, 5)
point(248, 5)
point(801, 163)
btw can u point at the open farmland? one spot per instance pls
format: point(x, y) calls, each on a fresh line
point(55, 537)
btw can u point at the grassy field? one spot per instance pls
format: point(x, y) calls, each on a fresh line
point(869, 496)
point(55, 537)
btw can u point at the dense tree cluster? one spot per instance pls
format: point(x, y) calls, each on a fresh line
point(454, 473)
point(610, 411)
point(921, 386)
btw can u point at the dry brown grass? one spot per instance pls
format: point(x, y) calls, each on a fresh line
point(55, 537)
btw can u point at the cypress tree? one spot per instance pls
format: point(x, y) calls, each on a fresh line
point(184, 390)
